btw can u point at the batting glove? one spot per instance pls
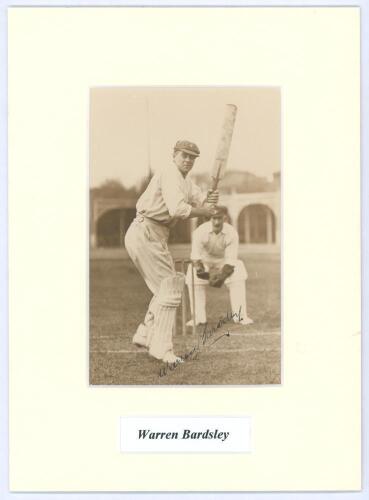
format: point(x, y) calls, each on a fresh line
point(212, 197)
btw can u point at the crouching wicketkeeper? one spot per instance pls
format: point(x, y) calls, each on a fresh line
point(215, 257)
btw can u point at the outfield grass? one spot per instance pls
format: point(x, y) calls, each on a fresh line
point(249, 355)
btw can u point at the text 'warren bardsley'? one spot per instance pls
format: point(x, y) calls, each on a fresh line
point(186, 434)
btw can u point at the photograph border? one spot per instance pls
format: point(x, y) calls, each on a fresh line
point(281, 247)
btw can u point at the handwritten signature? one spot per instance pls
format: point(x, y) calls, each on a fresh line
point(209, 333)
point(206, 336)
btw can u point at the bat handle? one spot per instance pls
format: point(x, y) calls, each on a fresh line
point(214, 184)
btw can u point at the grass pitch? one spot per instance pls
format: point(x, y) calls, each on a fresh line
point(231, 355)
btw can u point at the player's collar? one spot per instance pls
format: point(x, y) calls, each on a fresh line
point(220, 232)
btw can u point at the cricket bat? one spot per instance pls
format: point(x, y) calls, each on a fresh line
point(224, 146)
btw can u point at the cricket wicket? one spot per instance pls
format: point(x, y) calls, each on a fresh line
point(182, 263)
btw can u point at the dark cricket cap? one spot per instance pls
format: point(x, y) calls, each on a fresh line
point(187, 147)
point(220, 210)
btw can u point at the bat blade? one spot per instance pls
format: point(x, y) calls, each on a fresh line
point(224, 145)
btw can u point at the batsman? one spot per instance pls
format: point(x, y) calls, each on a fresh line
point(169, 197)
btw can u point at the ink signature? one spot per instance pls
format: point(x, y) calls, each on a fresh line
point(206, 336)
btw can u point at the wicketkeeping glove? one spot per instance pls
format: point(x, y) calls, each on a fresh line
point(217, 278)
point(200, 270)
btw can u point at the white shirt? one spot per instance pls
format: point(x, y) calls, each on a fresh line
point(215, 248)
point(169, 197)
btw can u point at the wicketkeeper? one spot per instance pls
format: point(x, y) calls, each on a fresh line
point(215, 257)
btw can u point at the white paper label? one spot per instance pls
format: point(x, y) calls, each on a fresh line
point(185, 434)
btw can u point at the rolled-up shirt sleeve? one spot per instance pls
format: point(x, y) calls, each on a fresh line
point(197, 196)
point(231, 249)
point(174, 197)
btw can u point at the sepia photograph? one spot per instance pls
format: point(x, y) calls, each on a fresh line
point(185, 236)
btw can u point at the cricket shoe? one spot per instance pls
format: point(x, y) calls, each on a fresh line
point(244, 321)
point(198, 323)
point(171, 358)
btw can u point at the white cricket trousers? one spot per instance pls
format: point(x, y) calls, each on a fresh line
point(237, 296)
point(146, 244)
point(236, 284)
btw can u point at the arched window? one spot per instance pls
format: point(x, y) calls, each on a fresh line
point(112, 226)
point(256, 224)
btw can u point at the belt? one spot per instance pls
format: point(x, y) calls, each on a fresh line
point(140, 217)
point(161, 230)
